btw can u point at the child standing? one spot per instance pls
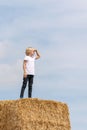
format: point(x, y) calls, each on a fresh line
point(28, 68)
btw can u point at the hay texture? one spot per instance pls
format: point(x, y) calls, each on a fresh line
point(33, 114)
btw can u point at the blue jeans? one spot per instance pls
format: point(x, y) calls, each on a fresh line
point(28, 79)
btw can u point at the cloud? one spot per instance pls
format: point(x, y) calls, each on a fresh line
point(10, 74)
point(23, 2)
point(77, 114)
point(3, 49)
point(75, 4)
point(37, 22)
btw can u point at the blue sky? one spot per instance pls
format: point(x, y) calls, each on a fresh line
point(58, 29)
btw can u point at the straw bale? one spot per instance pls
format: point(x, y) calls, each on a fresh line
point(34, 114)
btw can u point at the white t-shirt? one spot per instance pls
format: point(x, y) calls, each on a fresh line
point(30, 70)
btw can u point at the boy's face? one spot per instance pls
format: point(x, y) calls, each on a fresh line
point(32, 51)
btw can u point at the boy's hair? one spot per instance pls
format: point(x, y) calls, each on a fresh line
point(27, 52)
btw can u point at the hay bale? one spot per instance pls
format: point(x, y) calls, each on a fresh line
point(33, 114)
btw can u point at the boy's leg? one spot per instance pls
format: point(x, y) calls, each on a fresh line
point(23, 87)
point(30, 78)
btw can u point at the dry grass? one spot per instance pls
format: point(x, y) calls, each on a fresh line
point(33, 114)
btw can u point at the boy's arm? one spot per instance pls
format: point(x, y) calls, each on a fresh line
point(24, 68)
point(37, 54)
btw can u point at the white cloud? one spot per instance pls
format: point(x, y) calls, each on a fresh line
point(73, 4)
point(77, 4)
point(77, 114)
point(3, 49)
point(10, 73)
point(41, 20)
point(23, 2)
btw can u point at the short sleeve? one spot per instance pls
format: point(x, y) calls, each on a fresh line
point(26, 58)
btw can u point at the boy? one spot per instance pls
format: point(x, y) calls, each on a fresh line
point(28, 68)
